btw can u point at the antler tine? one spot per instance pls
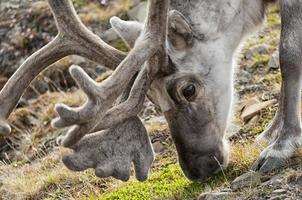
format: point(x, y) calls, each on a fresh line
point(96, 108)
point(81, 39)
point(133, 105)
point(73, 38)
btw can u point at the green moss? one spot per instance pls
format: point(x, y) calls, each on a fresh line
point(272, 79)
point(273, 19)
point(120, 45)
point(170, 183)
point(166, 183)
point(260, 59)
point(79, 3)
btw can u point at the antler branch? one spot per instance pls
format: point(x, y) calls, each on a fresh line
point(73, 38)
point(97, 113)
point(110, 152)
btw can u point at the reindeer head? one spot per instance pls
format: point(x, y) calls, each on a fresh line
point(182, 93)
point(171, 62)
point(195, 95)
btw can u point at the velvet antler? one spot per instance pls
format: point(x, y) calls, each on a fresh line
point(125, 139)
point(98, 112)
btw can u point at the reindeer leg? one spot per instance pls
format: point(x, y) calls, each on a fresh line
point(286, 130)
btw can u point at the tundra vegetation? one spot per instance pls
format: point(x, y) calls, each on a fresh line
point(31, 166)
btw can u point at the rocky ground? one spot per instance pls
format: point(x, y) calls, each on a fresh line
point(31, 166)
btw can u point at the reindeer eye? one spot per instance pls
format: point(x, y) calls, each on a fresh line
point(188, 91)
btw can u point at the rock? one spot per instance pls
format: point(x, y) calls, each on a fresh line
point(250, 88)
point(258, 49)
point(37, 8)
point(274, 61)
point(250, 111)
point(232, 129)
point(249, 179)
point(149, 113)
point(281, 197)
point(139, 12)
point(267, 96)
point(253, 121)
point(9, 4)
point(226, 190)
point(158, 147)
point(295, 180)
point(22, 103)
point(16, 37)
point(214, 196)
point(274, 181)
point(279, 191)
point(250, 102)
point(243, 77)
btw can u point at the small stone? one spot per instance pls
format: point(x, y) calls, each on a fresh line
point(226, 190)
point(250, 179)
point(37, 8)
point(214, 196)
point(250, 88)
point(258, 49)
point(253, 110)
point(243, 77)
point(22, 103)
point(279, 191)
point(253, 121)
point(274, 61)
point(250, 102)
point(295, 180)
point(281, 197)
point(273, 182)
point(158, 147)
point(232, 130)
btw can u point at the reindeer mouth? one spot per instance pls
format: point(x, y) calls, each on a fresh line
point(201, 148)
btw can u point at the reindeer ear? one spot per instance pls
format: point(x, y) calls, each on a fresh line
point(129, 31)
point(180, 33)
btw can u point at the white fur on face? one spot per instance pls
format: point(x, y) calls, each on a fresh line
point(219, 27)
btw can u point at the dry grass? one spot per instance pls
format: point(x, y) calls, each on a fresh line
point(49, 179)
point(92, 12)
point(31, 125)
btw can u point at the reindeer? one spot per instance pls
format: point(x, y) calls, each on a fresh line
point(181, 58)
